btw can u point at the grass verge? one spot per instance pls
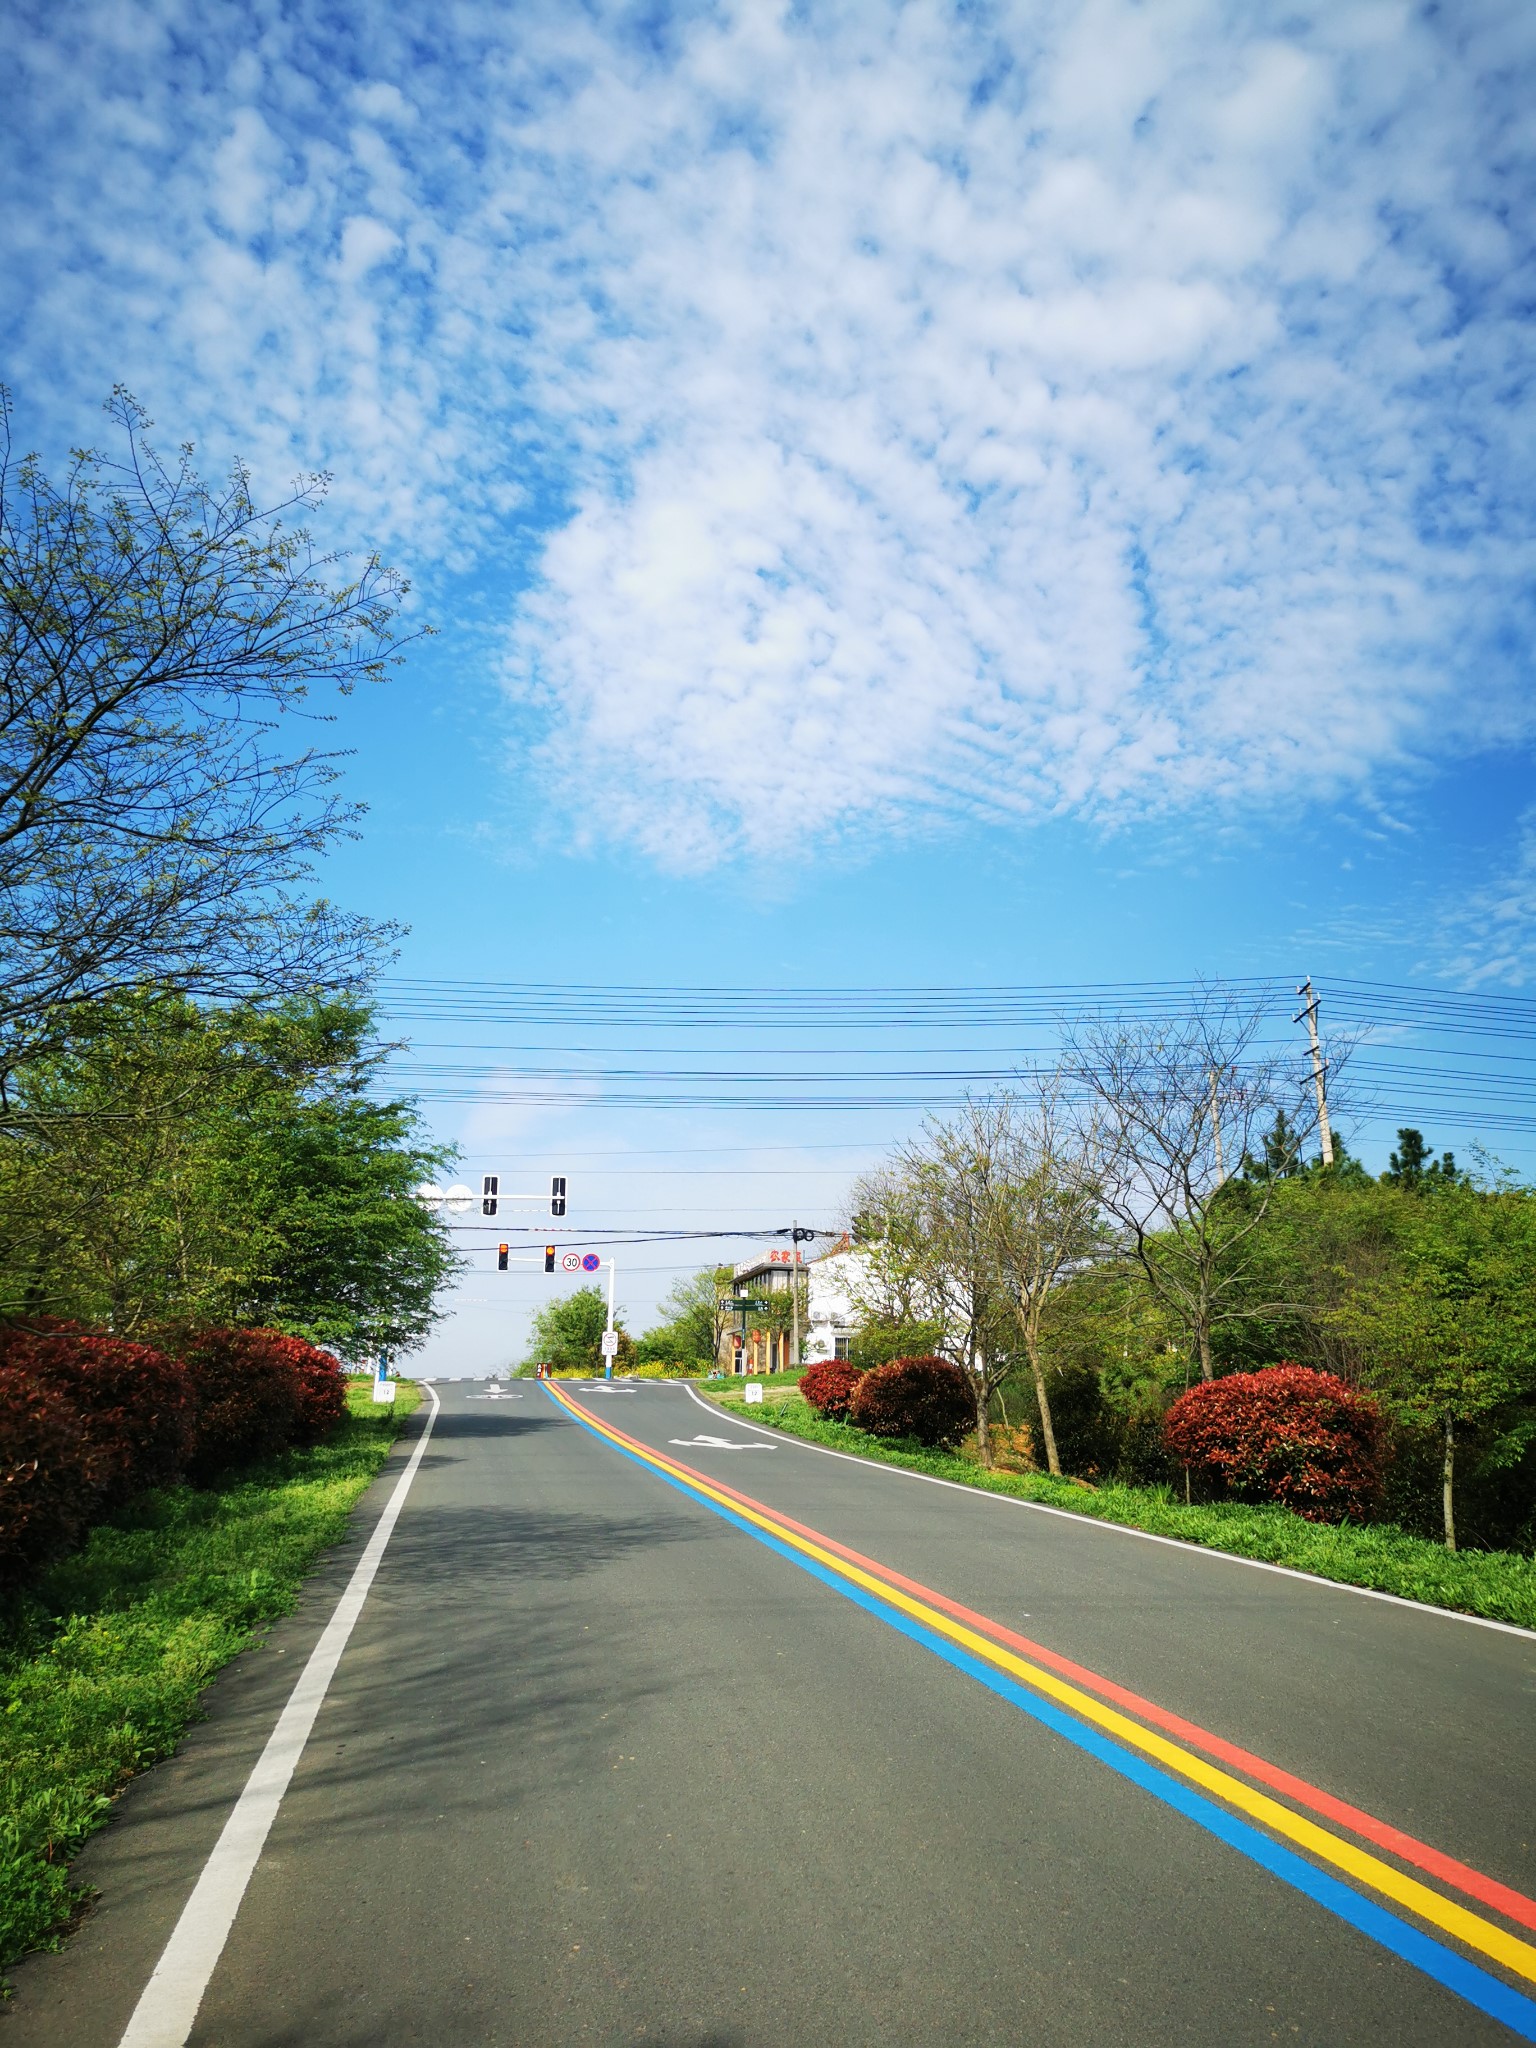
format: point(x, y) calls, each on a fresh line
point(1498, 1584)
point(103, 1661)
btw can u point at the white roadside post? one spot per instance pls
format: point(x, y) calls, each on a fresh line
point(610, 1334)
point(383, 1385)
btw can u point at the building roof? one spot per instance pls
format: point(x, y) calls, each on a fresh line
point(768, 1262)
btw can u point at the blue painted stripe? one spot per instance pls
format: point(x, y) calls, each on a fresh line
point(1475, 1985)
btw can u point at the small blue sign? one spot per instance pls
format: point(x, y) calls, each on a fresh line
point(590, 1263)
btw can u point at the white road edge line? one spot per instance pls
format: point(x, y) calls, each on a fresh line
point(165, 2013)
point(1039, 1507)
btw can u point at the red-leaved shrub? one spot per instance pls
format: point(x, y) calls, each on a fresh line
point(248, 1397)
point(926, 1398)
point(1286, 1434)
point(829, 1387)
point(87, 1419)
point(134, 1403)
point(50, 1486)
point(321, 1383)
point(257, 1391)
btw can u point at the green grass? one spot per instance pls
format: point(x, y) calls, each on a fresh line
point(777, 1389)
point(1499, 1584)
point(104, 1660)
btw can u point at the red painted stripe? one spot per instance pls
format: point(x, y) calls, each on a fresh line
point(1501, 1897)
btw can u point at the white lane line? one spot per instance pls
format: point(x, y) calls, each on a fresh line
point(164, 2015)
point(1039, 1507)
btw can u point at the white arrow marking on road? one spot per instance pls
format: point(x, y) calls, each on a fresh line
point(718, 1443)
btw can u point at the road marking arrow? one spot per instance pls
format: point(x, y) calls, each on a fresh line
point(719, 1443)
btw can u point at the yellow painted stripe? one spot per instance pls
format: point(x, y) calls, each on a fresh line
point(1471, 1928)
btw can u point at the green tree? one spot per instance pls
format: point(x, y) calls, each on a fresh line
point(1448, 1330)
point(877, 1341)
point(567, 1333)
point(695, 1315)
point(172, 1164)
point(1042, 1218)
point(923, 1231)
point(1413, 1165)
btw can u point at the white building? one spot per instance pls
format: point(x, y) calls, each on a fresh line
point(829, 1320)
point(831, 1317)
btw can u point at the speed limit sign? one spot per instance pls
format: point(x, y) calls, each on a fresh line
point(572, 1262)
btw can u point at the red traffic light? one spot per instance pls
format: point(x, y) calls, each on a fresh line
point(549, 1258)
point(501, 1258)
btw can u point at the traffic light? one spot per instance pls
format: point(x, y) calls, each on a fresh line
point(549, 1258)
point(557, 1196)
point(490, 1187)
point(501, 1258)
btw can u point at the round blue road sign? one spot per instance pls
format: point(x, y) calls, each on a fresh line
point(590, 1263)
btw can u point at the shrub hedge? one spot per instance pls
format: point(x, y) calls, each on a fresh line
point(1289, 1434)
point(829, 1387)
point(135, 1405)
point(88, 1419)
point(48, 1483)
point(925, 1398)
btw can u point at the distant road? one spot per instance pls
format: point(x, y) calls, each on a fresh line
point(657, 1728)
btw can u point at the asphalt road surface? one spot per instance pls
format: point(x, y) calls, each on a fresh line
point(780, 1748)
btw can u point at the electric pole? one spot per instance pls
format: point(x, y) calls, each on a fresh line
point(1319, 1068)
point(797, 1237)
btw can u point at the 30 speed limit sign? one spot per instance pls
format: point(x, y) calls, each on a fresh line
point(571, 1262)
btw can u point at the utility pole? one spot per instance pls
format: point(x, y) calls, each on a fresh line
point(1319, 1068)
point(797, 1237)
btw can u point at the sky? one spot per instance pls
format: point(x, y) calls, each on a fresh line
point(932, 495)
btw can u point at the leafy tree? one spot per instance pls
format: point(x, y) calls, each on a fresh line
point(1282, 1153)
point(156, 636)
point(923, 1221)
point(1448, 1329)
point(175, 1165)
point(695, 1316)
point(567, 1333)
point(1042, 1216)
point(1413, 1165)
point(877, 1341)
point(1116, 1361)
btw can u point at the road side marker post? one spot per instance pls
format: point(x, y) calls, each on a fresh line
point(167, 2008)
point(752, 1393)
point(383, 1385)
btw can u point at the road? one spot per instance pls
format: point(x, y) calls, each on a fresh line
point(613, 1755)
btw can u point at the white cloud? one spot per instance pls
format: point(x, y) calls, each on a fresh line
point(1080, 406)
point(1489, 933)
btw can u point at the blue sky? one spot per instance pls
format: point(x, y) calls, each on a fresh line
point(908, 494)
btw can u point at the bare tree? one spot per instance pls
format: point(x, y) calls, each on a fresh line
point(1180, 1104)
point(1042, 1212)
point(154, 634)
